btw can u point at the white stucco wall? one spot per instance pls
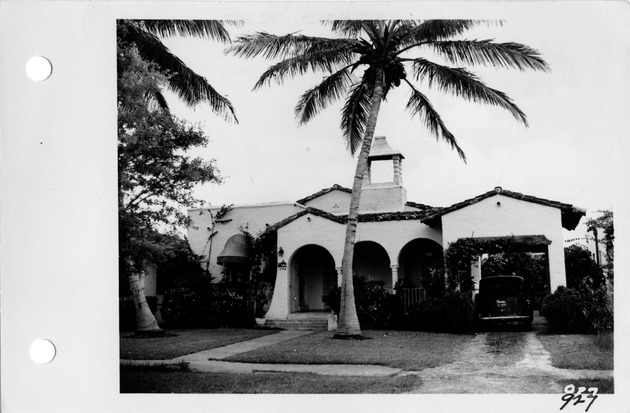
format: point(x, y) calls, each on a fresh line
point(512, 217)
point(335, 202)
point(376, 197)
point(252, 217)
point(394, 235)
point(391, 235)
point(383, 197)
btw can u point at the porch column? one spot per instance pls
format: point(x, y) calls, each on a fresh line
point(475, 272)
point(339, 276)
point(394, 268)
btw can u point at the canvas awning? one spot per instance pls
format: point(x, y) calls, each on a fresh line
point(236, 250)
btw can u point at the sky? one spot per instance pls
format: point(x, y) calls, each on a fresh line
point(571, 151)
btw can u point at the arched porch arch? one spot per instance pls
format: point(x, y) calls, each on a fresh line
point(311, 274)
point(371, 259)
point(416, 259)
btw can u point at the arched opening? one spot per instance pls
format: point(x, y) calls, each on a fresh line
point(526, 256)
point(312, 275)
point(416, 260)
point(371, 259)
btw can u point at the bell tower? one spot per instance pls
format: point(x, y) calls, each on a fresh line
point(383, 192)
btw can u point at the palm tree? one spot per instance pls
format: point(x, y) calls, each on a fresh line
point(383, 49)
point(192, 88)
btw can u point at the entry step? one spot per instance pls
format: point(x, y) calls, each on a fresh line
point(299, 324)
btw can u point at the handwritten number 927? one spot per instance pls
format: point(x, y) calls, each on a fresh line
point(582, 395)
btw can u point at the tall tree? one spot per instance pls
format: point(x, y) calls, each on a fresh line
point(155, 176)
point(192, 88)
point(384, 51)
point(604, 222)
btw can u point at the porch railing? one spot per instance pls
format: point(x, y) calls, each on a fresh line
point(412, 296)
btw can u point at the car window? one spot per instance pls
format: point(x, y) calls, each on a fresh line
point(501, 286)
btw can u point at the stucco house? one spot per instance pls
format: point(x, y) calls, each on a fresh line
point(397, 240)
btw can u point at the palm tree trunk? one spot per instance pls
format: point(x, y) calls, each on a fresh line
point(348, 325)
point(145, 320)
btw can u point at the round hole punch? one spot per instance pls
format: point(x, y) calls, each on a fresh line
point(42, 351)
point(38, 68)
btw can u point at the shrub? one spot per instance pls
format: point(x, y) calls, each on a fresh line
point(581, 269)
point(376, 307)
point(578, 311)
point(333, 299)
point(263, 292)
point(126, 315)
point(232, 305)
point(200, 303)
point(453, 312)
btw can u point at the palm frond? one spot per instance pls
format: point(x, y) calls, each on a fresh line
point(351, 28)
point(355, 114)
point(325, 60)
point(151, 97)
point(418, 104)
point(156, 100)
point(212, 29)
point(271, 46)
point(188, 85)
point(318, 98)
point(434, 30)
point(488, 53)
point(464, 84)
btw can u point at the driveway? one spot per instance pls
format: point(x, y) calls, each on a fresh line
point(507, 361)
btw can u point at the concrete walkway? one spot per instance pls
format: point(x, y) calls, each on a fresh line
point(220, 353)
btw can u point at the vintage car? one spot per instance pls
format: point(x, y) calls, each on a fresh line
point(504, 298)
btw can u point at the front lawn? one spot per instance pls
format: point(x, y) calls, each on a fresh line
point(580, 351)
point(408, 350)
point(181, 342)
point(139, 381)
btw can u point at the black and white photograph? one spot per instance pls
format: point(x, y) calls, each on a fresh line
point(331, 201)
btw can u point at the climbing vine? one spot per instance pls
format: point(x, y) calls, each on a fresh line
point(218, 218)
point(262, 270)
point(460, 255)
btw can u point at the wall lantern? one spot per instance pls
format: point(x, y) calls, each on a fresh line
point(280, 252)
point(498, 203)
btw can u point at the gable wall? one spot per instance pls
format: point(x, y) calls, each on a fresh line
point(328, 201)
point(513, 217)
point(254, 218)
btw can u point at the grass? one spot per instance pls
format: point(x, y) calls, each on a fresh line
point(181, 342)
point(580, 351)
point(151, 366)
point(408, 350)
point(136, 381)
